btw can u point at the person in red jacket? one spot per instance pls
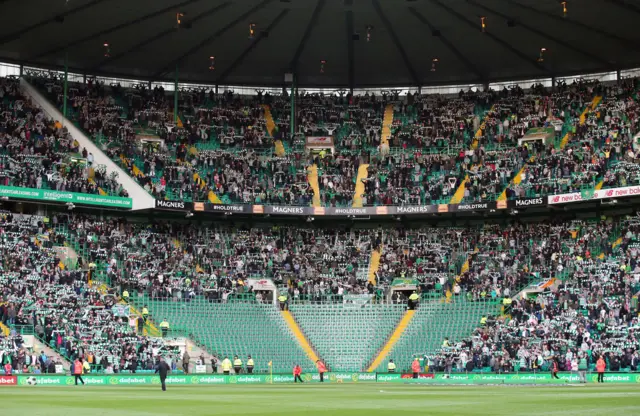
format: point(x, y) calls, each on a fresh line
point(601, 365)
point(554, 369)
point(77, 370)
point(321, 369)
point(415, 368)
point(297, 370)
point(7, 369)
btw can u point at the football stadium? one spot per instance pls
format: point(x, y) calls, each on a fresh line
point(344, 207)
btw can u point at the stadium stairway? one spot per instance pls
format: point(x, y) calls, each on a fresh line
point(563, 143)
point(432, 322)
point(312, 178)
point(474, 144)
point(235, 327)
point(393, 339)
point(387, 122)
point(459, 194)
point(347, 335)
point(302, 340)
point(212, 197)
point(271, 126)
point(363, 173)
point(374, 265)
point(39, 346)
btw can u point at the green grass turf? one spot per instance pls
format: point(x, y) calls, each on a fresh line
point(353, 400)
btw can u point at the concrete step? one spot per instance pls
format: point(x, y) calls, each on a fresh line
point(39, 346)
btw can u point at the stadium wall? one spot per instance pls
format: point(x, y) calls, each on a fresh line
point(337, 377)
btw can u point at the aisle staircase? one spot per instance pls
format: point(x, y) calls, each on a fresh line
point(458, 196)
point(271, 126)
point(387, 122)
point(393, 339)
point(476, 137)
point(312, 178)
point(374, 265)
point(563, 143)
point(363, 173)
point(345, 335)
point(302, 340)
point(4, 329)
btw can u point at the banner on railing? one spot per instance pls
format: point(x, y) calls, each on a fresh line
point(47, 195)
point(622, 192)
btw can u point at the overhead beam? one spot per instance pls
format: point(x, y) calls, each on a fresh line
point(470, 66)
point(350, 58)
point(19, 33)
point(396, 42)
point(493, 37)
point(170, 65)
point(112, 29)
point(628, 6)
point(590, 55)
point(293, 65)
point(252, 46)
point(567, 19)
point(160, 35)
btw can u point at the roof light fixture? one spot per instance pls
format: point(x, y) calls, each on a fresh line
point(541, 56)
point(179, 17)
point(252, 30)
point(434, 62)
point(483, 23)
point(322, 64)
point(212, 63)
point(369, 30)
point(564, 8)
point(107, 50)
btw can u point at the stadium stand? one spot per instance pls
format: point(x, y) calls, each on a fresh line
point(58, 304)
point(346, 335)
point(37, 152)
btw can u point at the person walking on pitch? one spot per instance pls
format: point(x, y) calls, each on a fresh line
point(162, 368)
point(321, 369)
point(77, 370)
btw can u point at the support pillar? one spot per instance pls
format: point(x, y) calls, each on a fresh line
point(293, 109)
point(175, 99)
point(66, 79)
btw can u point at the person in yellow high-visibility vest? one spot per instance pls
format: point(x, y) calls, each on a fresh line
point(226, 366)
point(391, 367)
point(250, 365)
point(237, 364)
point(125, 295)
point(414, 299)
point(145, 313)
point(164, 327)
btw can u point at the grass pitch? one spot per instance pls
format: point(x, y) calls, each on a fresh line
point(314, 399)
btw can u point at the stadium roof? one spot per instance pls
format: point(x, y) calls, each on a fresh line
point(363, 42)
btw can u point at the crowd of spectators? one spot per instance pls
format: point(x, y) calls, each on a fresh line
point(37, 152)
point(592, 310)
point(64, 310)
